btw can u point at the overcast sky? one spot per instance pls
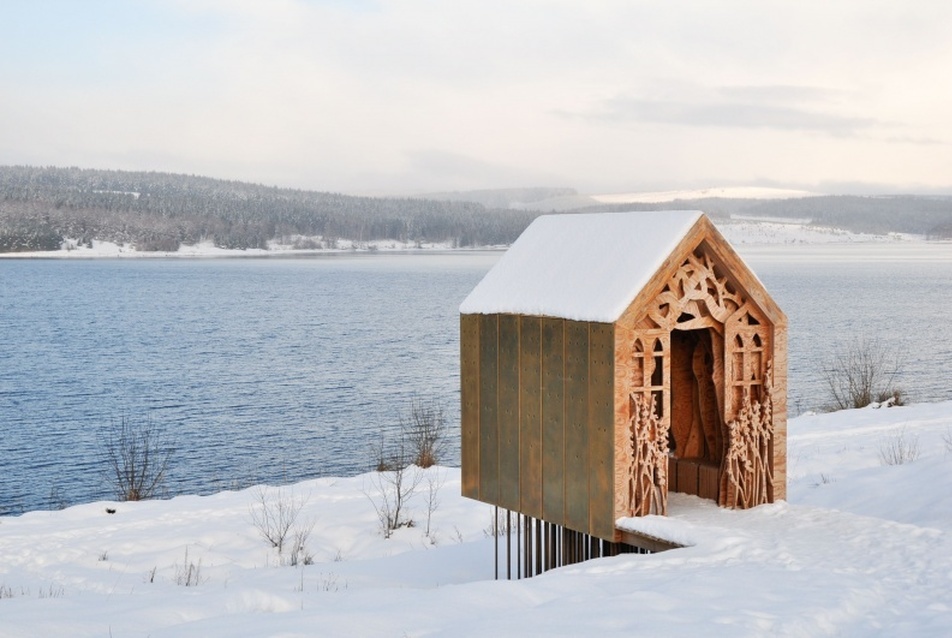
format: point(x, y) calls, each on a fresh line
point(367, 96)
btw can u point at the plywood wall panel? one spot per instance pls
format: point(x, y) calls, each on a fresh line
point(779, 456)
point(624, 340)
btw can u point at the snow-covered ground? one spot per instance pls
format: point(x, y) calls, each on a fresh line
point(861, 548)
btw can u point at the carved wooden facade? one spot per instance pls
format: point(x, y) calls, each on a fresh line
point(580, 423)
point(698, 375)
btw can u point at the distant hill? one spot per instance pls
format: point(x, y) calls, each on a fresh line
point(725, 192)
point(922, 215)
point(527, 198)
point(40, 207)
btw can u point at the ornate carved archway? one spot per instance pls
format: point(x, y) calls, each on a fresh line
point(705, 326)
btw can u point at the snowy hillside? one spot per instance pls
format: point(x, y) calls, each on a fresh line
point(862, 548)
point(732, 192)
point(741, 230)
point(576, 201)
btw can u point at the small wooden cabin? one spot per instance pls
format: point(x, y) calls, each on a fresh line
point(608, 359)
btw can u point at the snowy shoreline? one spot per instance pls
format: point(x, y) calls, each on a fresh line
point(740, 231)
point(861, 547)
point(207, 250)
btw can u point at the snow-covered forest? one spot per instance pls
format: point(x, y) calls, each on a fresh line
point(40, 207)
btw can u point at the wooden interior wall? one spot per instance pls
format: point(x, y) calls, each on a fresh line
point(538, 418)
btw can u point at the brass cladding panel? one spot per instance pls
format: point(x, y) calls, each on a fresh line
point(553, 421)
point(601, 430)
point(538, 418)
point(469, 404)
point(508, 411)
point(530, 415)
point(488, 410)
point(577, 454)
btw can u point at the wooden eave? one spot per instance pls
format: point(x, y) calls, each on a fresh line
point(645, 541)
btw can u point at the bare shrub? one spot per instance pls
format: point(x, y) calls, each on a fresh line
point(862, 373)
point(329, 582)
point(420, 444)
point(300, 555)
point(899, 448)
point(947, 439)
point(189, 573)
point(275, 513)
point(391, 486)
point(434, 481)
point(56, 499)
point(53, 591)
point(136, 456)
point(9, 592)
point(384, 459)
point(500, 521)
point(307, 243)
point(424, 429)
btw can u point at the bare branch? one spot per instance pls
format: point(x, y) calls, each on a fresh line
point(137, 457)
point(862, 373)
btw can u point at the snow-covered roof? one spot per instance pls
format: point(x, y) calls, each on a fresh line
point(586, 267)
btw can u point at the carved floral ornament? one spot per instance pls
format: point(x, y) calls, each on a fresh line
point(695, 297)
point(698, 297)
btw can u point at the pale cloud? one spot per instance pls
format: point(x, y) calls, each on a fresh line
point(411, 95)
point(784, 94)
point(733, 115)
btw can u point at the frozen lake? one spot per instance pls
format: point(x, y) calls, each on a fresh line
point(280, 369)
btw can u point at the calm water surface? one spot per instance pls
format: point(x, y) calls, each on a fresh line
point(281, 369)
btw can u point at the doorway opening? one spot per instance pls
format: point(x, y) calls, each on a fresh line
point(696, 440)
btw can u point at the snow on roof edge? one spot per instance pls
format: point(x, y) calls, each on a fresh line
point(583, 266)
